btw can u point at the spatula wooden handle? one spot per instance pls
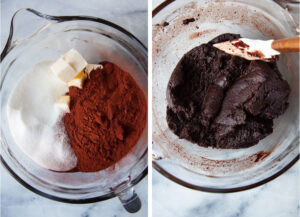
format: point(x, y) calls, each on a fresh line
point(287, 45)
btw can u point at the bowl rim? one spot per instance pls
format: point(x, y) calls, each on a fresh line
point(6, 51)
point(179, 181)
point(8, 46)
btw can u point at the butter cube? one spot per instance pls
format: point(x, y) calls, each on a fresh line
point(75, 60)
point(63, 70)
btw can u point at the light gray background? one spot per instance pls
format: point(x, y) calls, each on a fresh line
point(278, 198)
point(17, 201)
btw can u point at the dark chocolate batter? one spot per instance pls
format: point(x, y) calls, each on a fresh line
point(224, 101)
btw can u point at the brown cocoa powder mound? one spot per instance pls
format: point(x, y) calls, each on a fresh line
point(106, 119)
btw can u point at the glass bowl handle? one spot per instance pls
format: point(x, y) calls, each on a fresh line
point(25, 24)
point(129, 199)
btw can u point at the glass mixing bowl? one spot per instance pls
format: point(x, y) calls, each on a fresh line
point(36, 37)
point(209, 169)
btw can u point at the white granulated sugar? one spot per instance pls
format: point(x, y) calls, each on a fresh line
point(35, 120)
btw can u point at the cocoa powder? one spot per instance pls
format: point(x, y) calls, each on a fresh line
point(106, 119)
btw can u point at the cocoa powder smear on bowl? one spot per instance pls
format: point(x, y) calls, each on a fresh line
point(106, 119)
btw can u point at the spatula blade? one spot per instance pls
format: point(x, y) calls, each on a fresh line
point(249, 49)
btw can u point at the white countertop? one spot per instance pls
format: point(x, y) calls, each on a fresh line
point(16, 200)
point(278, 198)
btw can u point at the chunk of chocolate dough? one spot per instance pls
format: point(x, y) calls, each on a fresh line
point(224, 101)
